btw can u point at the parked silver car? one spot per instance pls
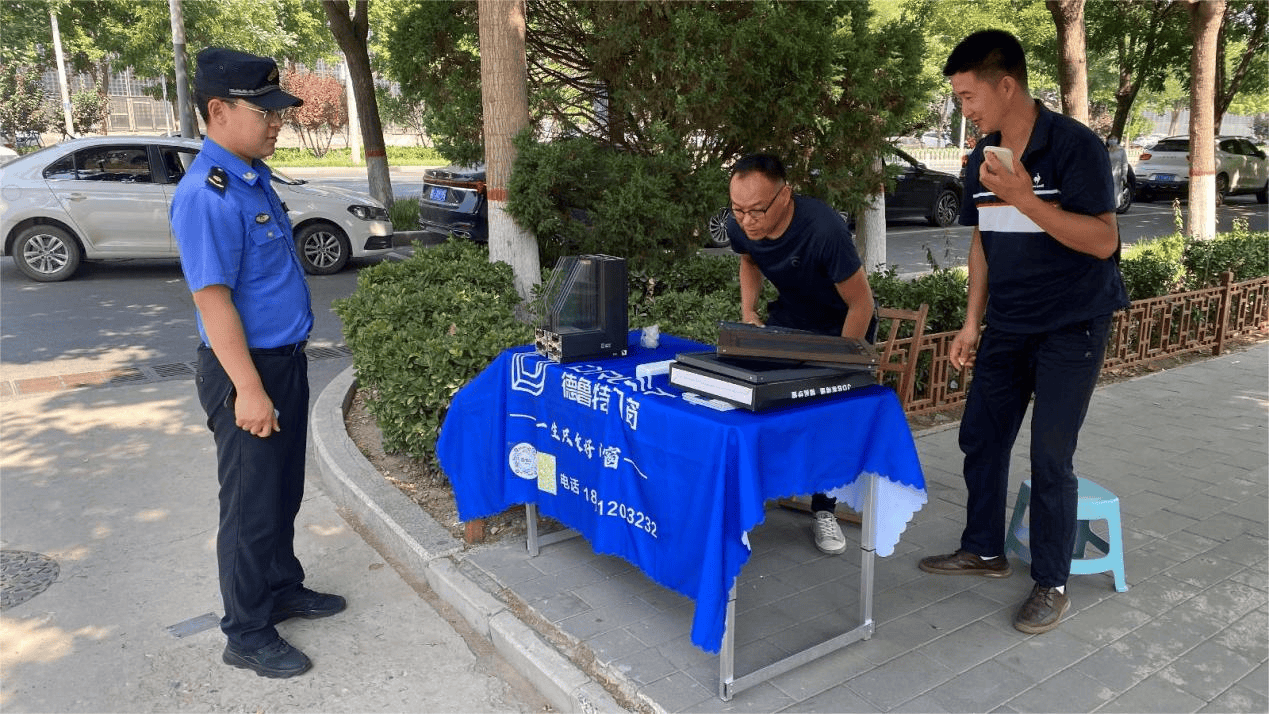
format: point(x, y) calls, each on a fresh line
point(1241, 167)
point(105, 198)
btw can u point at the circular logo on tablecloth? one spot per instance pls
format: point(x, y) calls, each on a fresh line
point(524, 461)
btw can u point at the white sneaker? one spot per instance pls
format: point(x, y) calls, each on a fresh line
point(828, 534)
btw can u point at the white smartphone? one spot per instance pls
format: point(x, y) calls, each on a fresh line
point(1005, 155)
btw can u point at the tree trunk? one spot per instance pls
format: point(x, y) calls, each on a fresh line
point(1205, 16)
point(350, 33)
point(870, 229)
point(1068, 16)
point(103, 90)
point(505, 104)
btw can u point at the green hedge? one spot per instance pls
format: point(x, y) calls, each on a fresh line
point(1177, 263)
point(405, 214)
point(342, 157)
point(421, 328)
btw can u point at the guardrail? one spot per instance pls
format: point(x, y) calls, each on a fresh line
point(1147, 330)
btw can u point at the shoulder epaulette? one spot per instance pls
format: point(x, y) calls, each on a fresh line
point(218, 179)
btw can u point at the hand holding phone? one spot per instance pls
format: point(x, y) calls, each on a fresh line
point(1004, 155)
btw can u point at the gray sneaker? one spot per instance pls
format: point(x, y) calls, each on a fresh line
point(828, 533)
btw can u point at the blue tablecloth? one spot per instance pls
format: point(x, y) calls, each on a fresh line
point(672, 486)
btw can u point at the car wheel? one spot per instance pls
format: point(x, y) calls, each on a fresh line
point(718, 230)
point(1125, 196)
point(323, 248)
point(1262, 196)
point(1222, 188)
point(46, 254)
point(946, 209)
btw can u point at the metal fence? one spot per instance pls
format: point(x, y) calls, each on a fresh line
point(1201, 320)
point(140, 114)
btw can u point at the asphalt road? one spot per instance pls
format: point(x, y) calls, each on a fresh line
point(123, 313)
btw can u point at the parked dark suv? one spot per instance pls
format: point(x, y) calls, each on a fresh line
point(453, 202)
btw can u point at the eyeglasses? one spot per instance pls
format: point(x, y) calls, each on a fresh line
point(757, 214)
point(278, 116)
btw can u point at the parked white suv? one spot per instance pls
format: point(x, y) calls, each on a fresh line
point(1241, 167)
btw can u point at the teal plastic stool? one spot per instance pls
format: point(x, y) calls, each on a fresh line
point(1095, 504)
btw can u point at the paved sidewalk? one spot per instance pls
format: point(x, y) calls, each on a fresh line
point(111, 482)
point(1185, 451)
point(117, 485)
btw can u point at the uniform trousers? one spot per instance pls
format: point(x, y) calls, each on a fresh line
point(1060, 369)
point(261, 486)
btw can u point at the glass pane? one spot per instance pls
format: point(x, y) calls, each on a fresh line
point(113, 163)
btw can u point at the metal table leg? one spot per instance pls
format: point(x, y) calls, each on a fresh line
point(729, 685)
point(533, 540)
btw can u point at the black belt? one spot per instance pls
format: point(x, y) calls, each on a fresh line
point(283, 351)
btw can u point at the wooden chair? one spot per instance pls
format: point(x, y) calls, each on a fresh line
point(899, 354)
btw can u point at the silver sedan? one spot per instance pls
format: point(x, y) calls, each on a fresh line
point(105, 198)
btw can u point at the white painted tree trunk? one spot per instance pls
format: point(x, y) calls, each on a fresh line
point(505, 101)
point(1205, 17)
point(870, 231)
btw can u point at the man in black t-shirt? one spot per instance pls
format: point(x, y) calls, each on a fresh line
point(806, 250)
point(1043, 281)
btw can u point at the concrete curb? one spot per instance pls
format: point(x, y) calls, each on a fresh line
point(407, 536)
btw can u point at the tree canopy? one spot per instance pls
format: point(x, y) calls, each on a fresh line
point(103, 36)
point(821, 84)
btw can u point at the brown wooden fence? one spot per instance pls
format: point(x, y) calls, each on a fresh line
point(1201, 320)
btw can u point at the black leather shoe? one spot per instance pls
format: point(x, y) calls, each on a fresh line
point(1042, 611)
point(965, 563)
point(278, 660)
point(307, 604)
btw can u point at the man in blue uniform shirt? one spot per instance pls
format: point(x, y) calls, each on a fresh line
point(254, 317)
point(808, 253)
point(1044, 279)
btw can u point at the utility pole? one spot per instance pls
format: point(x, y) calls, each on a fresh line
point(61, 75)
point(189, 125)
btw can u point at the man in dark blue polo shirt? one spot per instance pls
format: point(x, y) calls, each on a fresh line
point(806, 250)
point(254, 317)
point(1043, 281)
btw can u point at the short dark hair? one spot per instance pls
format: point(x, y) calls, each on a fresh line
point(990, 55)
point(200, 101)
point(768, 165)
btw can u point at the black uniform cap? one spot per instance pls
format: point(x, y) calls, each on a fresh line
point(237, 75)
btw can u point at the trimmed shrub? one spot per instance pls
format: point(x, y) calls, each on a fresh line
point(944, 289)
point(1241, 251)
point(405, 214)
point(1153, 268)
point(1176, 263)
point(419, 329)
